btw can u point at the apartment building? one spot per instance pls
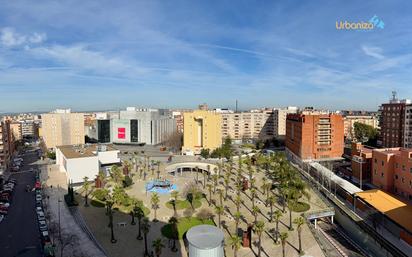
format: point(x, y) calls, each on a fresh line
point(392, 170)
point(393, 122)
point(279, 120)
point(350, 120)
point(407, 136)
point(201, 130)
point(62, 127)
point(16, 129)
point(314, 135)
point(6, 144)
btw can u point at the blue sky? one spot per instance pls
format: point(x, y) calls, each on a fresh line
point(91, 55)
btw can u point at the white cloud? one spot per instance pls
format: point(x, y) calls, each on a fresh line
point(374, 52)
point(10, 38)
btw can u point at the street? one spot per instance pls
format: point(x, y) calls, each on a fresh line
point(19, 232)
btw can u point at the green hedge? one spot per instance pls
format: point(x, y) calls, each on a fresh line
point(183, 226)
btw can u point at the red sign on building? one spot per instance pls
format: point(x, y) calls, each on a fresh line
point(121, 133)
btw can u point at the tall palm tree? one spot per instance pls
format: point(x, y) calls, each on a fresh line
point(238, 202)
point(255, 211)
point(86, 189)
point(277, 216)
point(237, 215)
point(174, 194)
point(158, 246)
point(252, 196)
point(109, 204)
point(215, 179)
point(220, 193)
point(155, 204)
point(209, 187)
point(259, 228)
point(197, 174)
point(283, 238)
point(158, 169)
point(145, 230)
point(235, 242)
point(299, 221)
point(173, 223)
point(226, 180)
point(138, 211)
point(271, 201)
point(219, 211)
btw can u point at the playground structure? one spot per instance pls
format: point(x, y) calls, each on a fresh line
point(161, 186)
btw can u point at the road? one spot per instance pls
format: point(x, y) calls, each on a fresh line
point(19, 233)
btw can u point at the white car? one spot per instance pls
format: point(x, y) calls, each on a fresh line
point(38, 197)
point(39, 209)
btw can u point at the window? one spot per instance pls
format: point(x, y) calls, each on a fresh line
point(403, 167)
point(382, 175)
point(383, 163)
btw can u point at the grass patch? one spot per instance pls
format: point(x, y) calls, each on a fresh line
point(97, 203)
point(300, 207)
point(184, 204)
point(183, 226)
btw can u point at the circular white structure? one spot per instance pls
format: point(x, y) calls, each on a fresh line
point(205, 241)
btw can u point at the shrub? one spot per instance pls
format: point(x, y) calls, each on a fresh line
point(127, 181)
point(100, 194)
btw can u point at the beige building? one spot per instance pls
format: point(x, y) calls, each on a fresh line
point(202, 130)
point(62, 127)
point(16, 129)
point(255, 124)
point(350, 120)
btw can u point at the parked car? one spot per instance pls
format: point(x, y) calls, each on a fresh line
point(39, 203)
point(44, 237)
point(40, 216)
point(39, 209)
point(42, 225)
point(1, 218)
point(38, 197)
point(37, 185)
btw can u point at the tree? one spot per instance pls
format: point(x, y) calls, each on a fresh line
point(155, 204)
point(173, 224)
point(283, 238)
point(226, 181)
point(299, 221)
point(116, 174)
point(252, 196)
point(158, 169)
point(219, 211)
point(86, 189)
point(189, 198)
point(109, 204)
point(205, 153)
point(235, 243)
point(220, 193)
point(158, 246)
point(271, 201)
point(209, 187)
point(138, 211)
point(145, 230)
point(255, 211)
point(174, 141)
point(259, 228)
point(237, 216)
point(365, 133)
point(174, 194)
point(215, 179)
point(238, 202)
point(277, 216)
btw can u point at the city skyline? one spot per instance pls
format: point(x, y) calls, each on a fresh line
point(90, 56)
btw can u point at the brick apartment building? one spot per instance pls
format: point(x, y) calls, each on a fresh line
point(392, 170)
point(393, 122)
point(361, 163)
point(313, 135)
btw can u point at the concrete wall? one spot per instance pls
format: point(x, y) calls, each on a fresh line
point(79, 168)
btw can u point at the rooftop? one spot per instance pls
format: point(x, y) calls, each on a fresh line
point(205, 236)
point(81, 151)
point(394, 208)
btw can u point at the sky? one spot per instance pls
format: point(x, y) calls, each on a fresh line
point(100, 55)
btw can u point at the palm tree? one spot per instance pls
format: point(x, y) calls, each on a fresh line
point(145, 230)
point(209, 187)
point(299, 221)
point(158, 245)
point(237, 215)
point(197, 174)
point(138, 211)
point(155, 204)
point(173, 223)
point(255, 211)
point(259, 228)
point(252, 196)
point(220, 193)
point(215, 178)
point(219, 211)
point(283, 238)
point(238, 202)
point(277, 216)
point(109, 204)
point(86, 189)
point(235, 242)
point(226, 181)
point(116, 174)
point(271, 201)
point(174, 195)
point(158, 169)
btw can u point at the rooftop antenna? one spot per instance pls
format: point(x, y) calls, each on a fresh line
point(394, 96)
